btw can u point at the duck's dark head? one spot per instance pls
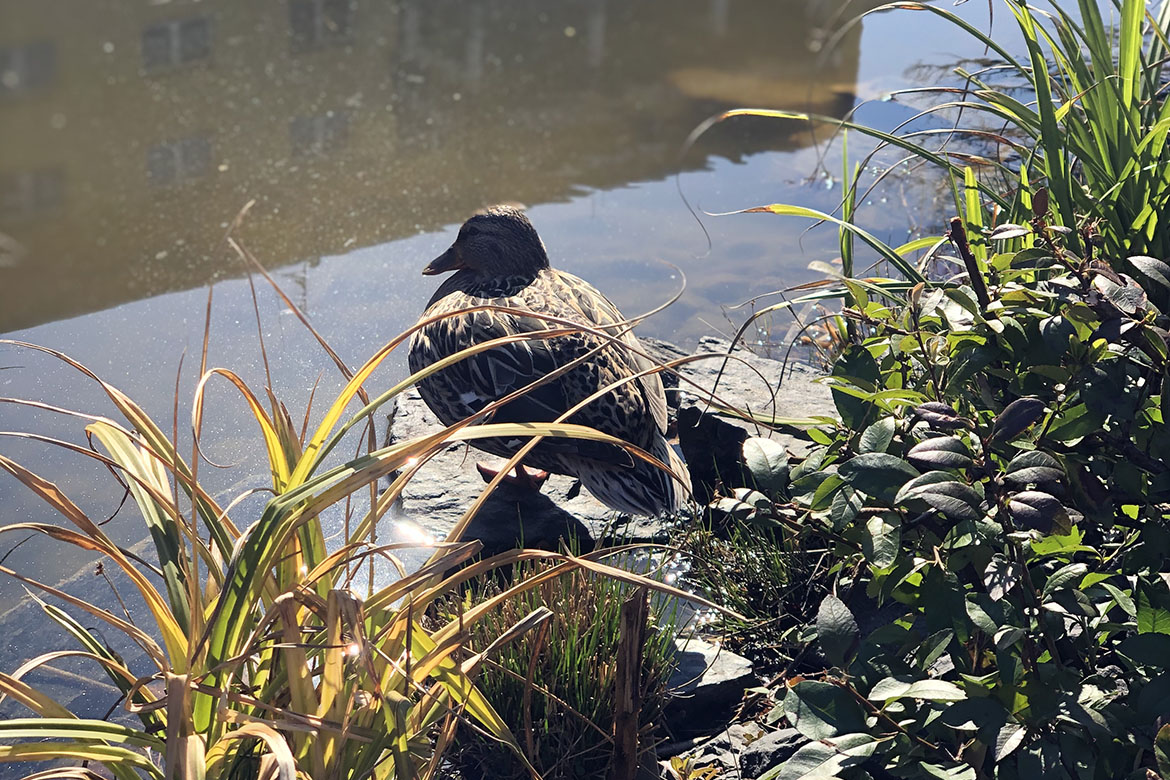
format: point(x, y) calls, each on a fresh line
point(498, 242)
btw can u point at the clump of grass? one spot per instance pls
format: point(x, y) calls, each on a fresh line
point(773, 587)
point(557, 684)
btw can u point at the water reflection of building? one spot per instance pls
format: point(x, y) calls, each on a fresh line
point(133, 132)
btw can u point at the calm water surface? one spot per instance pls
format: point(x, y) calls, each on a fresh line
point(132, 134)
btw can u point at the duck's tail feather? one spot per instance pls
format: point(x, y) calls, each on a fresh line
point(643, 489)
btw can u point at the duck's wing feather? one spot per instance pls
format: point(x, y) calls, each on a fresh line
point(467, 386)
point(598, 309)
point(470, 384)
point(632, 410)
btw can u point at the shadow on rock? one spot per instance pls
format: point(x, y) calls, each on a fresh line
point(512, 517)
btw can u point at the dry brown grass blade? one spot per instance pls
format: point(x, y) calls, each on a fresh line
point(185, 752)
point(48, 658)
point(65, 773)
point(276, 460)
point(251, 260)
point(53, 496)
point(60, 534)
point(285, 763)
point(452, 555)
point(562, 563)
point(535, 618)
point(11, 686)
point(114, 466)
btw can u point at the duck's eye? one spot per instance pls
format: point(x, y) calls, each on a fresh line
point(471, 231)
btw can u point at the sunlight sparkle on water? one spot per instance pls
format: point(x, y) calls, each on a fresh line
point(412, 532)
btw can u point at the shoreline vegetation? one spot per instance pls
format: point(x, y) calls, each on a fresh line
point(961, 574)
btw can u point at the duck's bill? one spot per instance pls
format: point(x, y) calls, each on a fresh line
point(448, 261)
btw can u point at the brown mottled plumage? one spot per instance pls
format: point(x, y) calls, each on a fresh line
point(499, 259)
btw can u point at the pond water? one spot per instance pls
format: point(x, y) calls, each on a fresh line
point(364, 132)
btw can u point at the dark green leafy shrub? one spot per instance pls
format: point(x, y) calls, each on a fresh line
point(996, 501)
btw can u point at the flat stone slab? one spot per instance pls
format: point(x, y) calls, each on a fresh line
point(755, 384)
point(706, 686)
point(773, 748)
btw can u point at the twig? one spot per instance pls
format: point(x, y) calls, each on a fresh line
point(958, 236)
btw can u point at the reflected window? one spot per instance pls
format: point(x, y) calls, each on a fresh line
point(27, 67)
point(176, 42)
point(171, 163)
point(312, 135)
point(28, 194)
point(317, 23)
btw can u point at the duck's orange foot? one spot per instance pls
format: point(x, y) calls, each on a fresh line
point(524, 478)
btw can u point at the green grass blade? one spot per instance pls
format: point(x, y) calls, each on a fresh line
point(163, 530)
point(896, 260)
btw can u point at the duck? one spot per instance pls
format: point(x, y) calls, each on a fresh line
point(499, 259)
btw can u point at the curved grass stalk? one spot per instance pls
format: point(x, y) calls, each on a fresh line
point(124, 762)
point(273, 441)
point(155, 440)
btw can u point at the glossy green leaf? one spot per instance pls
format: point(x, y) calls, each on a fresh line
point(948, 771)
point(1162, 750)
point(877, 473)
point(837, 630)
point(1147, 649)
point(847, 503)
point(1008, 231)
point(940, 452)
point(1064, 577)
point(891, 688)
point(857, 367)
point(1153, 609)
point(1008, 740)
point(882, 540)
point(1033, 467)
point(941, 416)
point(1038, 511)
point(825, 759)
point(768, 462)
point(1001, 575)
point(1017, 417)
point(953, 499)
point(877, 437)
point(1156, 270)
point(820, 710)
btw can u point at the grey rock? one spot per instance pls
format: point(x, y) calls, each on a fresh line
point(721, 749)
point(713, 444)
point(773, 748)
point(707, 685)
point(755, 384)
